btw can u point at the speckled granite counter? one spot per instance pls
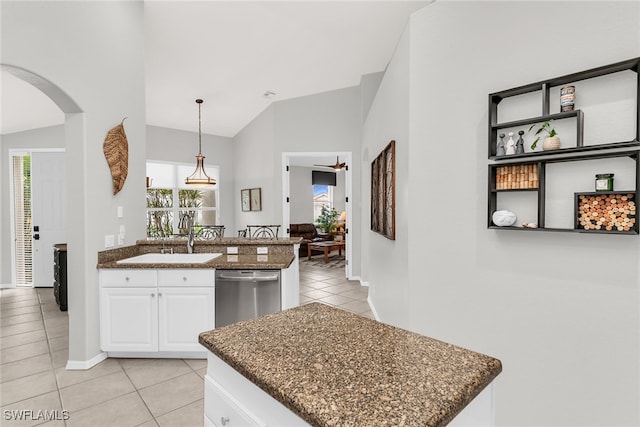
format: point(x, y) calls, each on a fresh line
point(227, 262)
point(280, 256)
point(331, 368)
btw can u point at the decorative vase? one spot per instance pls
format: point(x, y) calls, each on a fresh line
point(567, 98)
point(551, 143)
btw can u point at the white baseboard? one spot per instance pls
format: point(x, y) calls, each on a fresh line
point(355, 278)
point(373, 309)
point(159, 354)
point(79, 365)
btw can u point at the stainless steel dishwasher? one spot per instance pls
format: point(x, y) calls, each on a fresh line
point(245, 294)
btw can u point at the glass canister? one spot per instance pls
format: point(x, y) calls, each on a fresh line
point(604, 182)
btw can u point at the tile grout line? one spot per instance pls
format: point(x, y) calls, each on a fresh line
point(46, 334)
point(144, 402)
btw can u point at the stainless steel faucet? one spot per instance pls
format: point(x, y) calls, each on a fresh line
point(190, 237)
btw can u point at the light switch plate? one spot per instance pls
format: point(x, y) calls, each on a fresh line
point(232, 249)
point(120, 211)
point(263, 250)
point(120, 239)
point(109, 241)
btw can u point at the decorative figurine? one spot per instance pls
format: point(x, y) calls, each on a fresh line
point(520, 143)
point(511, 145)
point(500, 150)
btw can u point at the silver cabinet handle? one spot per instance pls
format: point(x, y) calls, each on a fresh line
point(184, 278)
point(224, 420)
point(126, 278)
point(153, 295)
point(159, 294)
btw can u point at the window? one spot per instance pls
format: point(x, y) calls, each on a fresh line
point(171, 202)
point(322, 196)
point(22, 219)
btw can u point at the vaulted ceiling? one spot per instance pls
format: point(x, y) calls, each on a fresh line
point(230, 53)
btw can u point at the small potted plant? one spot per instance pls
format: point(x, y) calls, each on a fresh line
point(328, 219)
point(551, 141)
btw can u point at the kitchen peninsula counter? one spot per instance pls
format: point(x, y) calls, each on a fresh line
point(225, 262)
point(280, 254)
point(331, 367)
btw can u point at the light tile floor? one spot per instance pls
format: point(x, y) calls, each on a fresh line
point(117, 392)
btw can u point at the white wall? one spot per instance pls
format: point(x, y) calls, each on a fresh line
point(98, 61)
point(324, 122)
point(48, 137)
point(256, 162)
point(173, 145)
point(561, 310)
point(300, 194)
point(385, 262)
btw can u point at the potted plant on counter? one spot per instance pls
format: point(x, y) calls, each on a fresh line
point(551, 141)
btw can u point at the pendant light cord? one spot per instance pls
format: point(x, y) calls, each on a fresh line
point(199, 101)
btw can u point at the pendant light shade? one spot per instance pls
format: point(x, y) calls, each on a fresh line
point(199, 176)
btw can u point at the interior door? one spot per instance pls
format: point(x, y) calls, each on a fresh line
point(48, 204)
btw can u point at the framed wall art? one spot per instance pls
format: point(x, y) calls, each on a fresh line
point(256, 199)
point(383, 192)
point(245, 199)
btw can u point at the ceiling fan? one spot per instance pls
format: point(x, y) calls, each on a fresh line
point(338, 166)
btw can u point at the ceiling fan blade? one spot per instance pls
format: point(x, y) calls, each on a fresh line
point(338, 166)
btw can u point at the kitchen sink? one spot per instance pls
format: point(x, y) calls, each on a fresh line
point(170, 258)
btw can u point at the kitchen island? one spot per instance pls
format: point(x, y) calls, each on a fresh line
point(321, 366)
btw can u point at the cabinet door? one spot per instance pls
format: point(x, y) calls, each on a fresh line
point(129, 319)
point(185, 312)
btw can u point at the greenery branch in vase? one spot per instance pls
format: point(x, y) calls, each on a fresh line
point(328, 219)
point(551, 141)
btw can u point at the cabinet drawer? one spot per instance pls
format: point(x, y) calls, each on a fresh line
point(186, 277)
point(128, 277)
point(223, 410)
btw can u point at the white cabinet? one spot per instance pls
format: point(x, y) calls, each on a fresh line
point(232, 400)
point(129, 319)
point(184, 313)
point(224, 410)
point(155, 311)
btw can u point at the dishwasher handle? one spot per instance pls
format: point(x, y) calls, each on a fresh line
point(246, 278)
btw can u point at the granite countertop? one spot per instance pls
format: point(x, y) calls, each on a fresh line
point(226, 262)
point(332, 367)
point(225, 241)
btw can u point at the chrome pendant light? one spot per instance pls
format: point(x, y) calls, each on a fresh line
point(199, 176)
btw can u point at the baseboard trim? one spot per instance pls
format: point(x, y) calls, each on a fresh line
point(81, 365)
point(355, 278)
point(159, 354)
point(373, 309)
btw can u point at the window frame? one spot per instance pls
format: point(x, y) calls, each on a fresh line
point(177, 185)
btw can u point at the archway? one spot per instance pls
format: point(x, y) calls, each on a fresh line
point(74, 138)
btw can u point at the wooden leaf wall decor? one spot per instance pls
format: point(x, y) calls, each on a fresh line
point(116, 150)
